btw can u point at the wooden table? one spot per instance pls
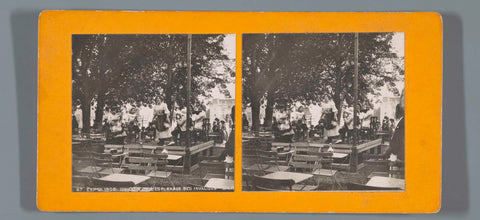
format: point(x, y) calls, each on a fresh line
point(81, 139)
point(118, 177)
point(339, 155)
point(173, 157)
point(297, 177)
point(217, 183)
point(380, 181)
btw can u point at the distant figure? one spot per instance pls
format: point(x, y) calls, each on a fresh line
point(223, 130)
point(245, 123)
point(74, 123)
point(385, 124)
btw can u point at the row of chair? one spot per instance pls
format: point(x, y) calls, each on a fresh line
point(288, 157)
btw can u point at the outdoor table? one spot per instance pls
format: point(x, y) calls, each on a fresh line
point(250, 138)
point(118, 177)
point(80, 139)
point(217, 183)
point(172, 157)
point(380, 181)
point(339, 155)
point(297, 177)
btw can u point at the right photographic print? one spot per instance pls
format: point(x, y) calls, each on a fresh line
point(323, 112)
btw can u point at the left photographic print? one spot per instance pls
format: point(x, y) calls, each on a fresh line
point(153, 112)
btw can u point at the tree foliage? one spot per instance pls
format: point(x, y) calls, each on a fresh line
point(297, 67)
point(112, 70)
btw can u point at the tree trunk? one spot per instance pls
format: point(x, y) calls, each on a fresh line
point(269, 110)
point(98, 122)
point(168, 91)
point(255, 115)
point(86, 115)
point(337, 92)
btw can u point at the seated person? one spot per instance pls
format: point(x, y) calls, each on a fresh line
point(114, 125)
point(245, 123)
point(301, 130)
point(132, 125)
point(285, 132)
point(366, 130)
point(149, 131)
point(346, 131)
point(178, 133)
point(317, 130)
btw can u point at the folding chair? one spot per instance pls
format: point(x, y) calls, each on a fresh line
point(106, 164)
point(326, 170)
point(85, 158)
point(212, 169)
point(269, 161)
point(149, 166)
point(306, 164)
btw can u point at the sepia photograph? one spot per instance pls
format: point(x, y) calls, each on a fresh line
point(323, 112)
point(153, 112)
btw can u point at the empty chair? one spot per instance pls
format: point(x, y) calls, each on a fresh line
point(212, 169)
point(106, 163)
point(86, 161)
point(161, 163)
point(326, 168)
point(152, 165)
point(268, 162)
point(305, 163)
point(392, 168)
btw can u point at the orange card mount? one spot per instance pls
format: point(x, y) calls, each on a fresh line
point(310, 71)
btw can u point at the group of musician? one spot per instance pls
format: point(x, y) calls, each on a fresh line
point(138, 122)
point(312, 119)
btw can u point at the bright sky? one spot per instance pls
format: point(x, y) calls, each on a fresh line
point(229, 45)
point(398, 43)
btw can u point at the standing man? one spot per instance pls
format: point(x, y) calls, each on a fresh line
point(197, 117)
point(397, 143)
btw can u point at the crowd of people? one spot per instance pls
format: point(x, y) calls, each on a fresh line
point(312, 119)
point(137, 122)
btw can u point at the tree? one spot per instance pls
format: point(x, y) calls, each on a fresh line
point(298, 67)
point(115, 69)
